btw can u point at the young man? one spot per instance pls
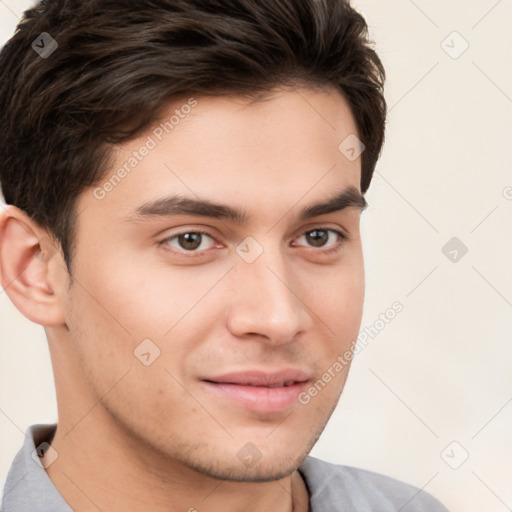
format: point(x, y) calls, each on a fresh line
point(184, 181)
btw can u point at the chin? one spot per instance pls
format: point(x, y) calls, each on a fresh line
point(237, 472)
point(267, 458)
point(249, 464)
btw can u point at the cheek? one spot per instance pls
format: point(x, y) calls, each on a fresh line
point(339, 300)
point(113, 373)
point(124, 305)
point(136, 298)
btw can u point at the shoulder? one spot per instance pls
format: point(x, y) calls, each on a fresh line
point(360, 490)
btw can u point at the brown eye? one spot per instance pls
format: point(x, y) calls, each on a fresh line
point(323, 238)
point(189, 241)
point(317, 237)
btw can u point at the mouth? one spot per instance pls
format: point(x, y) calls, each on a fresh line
point(262, 392)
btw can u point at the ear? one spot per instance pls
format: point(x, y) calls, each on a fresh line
point(30, 272)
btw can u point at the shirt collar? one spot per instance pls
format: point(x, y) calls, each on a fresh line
point(28, 487)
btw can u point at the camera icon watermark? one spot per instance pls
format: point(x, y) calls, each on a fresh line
point(249, 250)
point(454, 249)
point(44, 45)
point(146, 352)
point(249, 455)
point(46, 250)
point(454, 45)
point(455, 455)
point(351, 147)
point(45, 454)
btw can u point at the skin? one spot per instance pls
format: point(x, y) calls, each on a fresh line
point(133, 437)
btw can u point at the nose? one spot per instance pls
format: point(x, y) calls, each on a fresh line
point(267, 301)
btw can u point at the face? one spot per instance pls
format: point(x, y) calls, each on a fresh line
point(202, 330)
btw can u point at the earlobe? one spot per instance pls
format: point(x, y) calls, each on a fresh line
point(26, 253)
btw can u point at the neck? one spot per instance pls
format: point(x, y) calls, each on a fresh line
point(104, 469)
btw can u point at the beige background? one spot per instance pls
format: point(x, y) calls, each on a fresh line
point(440, 371)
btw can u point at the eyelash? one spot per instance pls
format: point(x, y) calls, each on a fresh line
point(342, 238)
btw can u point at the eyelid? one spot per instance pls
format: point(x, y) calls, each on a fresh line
point(322, 227)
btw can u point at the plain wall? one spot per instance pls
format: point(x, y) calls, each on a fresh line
point(440, 371)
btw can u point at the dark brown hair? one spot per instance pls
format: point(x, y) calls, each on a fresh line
point(119, 62)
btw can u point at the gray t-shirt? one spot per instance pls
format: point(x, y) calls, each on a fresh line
point(331, 487)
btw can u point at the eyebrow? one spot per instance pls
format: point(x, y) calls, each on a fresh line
point(182, 205)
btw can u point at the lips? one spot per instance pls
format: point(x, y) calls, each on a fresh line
point(259, 378)
point(259, 391)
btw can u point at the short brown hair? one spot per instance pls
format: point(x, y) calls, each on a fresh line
point(119, 62)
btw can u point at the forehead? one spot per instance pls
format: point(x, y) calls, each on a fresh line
point(258, 155)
